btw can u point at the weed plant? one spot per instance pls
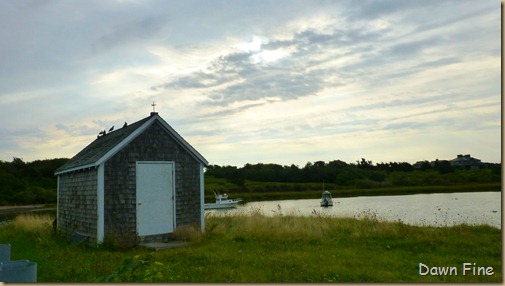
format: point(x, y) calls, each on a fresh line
point(251, 247)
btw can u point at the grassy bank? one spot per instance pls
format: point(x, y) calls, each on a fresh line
point(255, 248)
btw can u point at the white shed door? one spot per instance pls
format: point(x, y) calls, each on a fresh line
point(155, 198)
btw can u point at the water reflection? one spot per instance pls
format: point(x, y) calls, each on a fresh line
point(422, 209)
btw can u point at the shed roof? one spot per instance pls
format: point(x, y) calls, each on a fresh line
point(109, 144)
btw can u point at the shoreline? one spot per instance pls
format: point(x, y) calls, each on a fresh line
point(8, 210)
point(371, 192)
point(266, 196)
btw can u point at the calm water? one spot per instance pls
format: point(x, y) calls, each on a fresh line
point(423, 209)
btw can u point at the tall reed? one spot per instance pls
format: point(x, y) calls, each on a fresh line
point(33, 223)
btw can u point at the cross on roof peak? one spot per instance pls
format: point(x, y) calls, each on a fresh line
point(154, 109)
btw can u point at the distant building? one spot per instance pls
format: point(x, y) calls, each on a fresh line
point(466, 162)
point(421, 164)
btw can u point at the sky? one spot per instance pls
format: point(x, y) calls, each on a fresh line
point(247, 81)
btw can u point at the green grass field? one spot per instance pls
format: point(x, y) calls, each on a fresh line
point(254, 248)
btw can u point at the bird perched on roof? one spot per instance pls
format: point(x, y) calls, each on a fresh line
point(112, 128)
point(125, 124)
point(100, 134)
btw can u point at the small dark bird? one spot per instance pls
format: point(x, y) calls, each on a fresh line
point(125, 124)
point(100, 134)
point(112, 128)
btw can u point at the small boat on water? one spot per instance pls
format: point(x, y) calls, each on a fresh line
point(326, 200)
point(222, 202)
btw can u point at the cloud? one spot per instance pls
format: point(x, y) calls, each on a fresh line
point(131, 32)
point(251, 76)
point(395, 81)
point(73, 130)
point(323, 73)
point(356, 50)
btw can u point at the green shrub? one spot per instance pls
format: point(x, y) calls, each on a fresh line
point(139, 268)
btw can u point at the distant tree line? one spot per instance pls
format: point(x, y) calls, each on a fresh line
point(34, 182)
point(363, 173)
point(28, 183)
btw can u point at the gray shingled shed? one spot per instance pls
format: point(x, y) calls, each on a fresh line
point(137, 183)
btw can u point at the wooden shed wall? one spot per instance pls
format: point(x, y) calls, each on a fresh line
point(77, 207)
point(154, 144)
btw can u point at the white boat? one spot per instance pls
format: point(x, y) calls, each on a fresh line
point(222, 202)
point(326, 200)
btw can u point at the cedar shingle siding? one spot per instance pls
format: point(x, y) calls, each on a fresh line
point(120, 180)
point(77, 208)
point(77, 189)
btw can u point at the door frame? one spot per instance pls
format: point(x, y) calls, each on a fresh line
point(137, 163)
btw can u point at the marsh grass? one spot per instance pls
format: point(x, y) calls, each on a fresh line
point(288, 248)
point(188, 233)
point(252, 247)
point(33, 223)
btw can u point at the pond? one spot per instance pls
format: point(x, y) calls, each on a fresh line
point(422, 209)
